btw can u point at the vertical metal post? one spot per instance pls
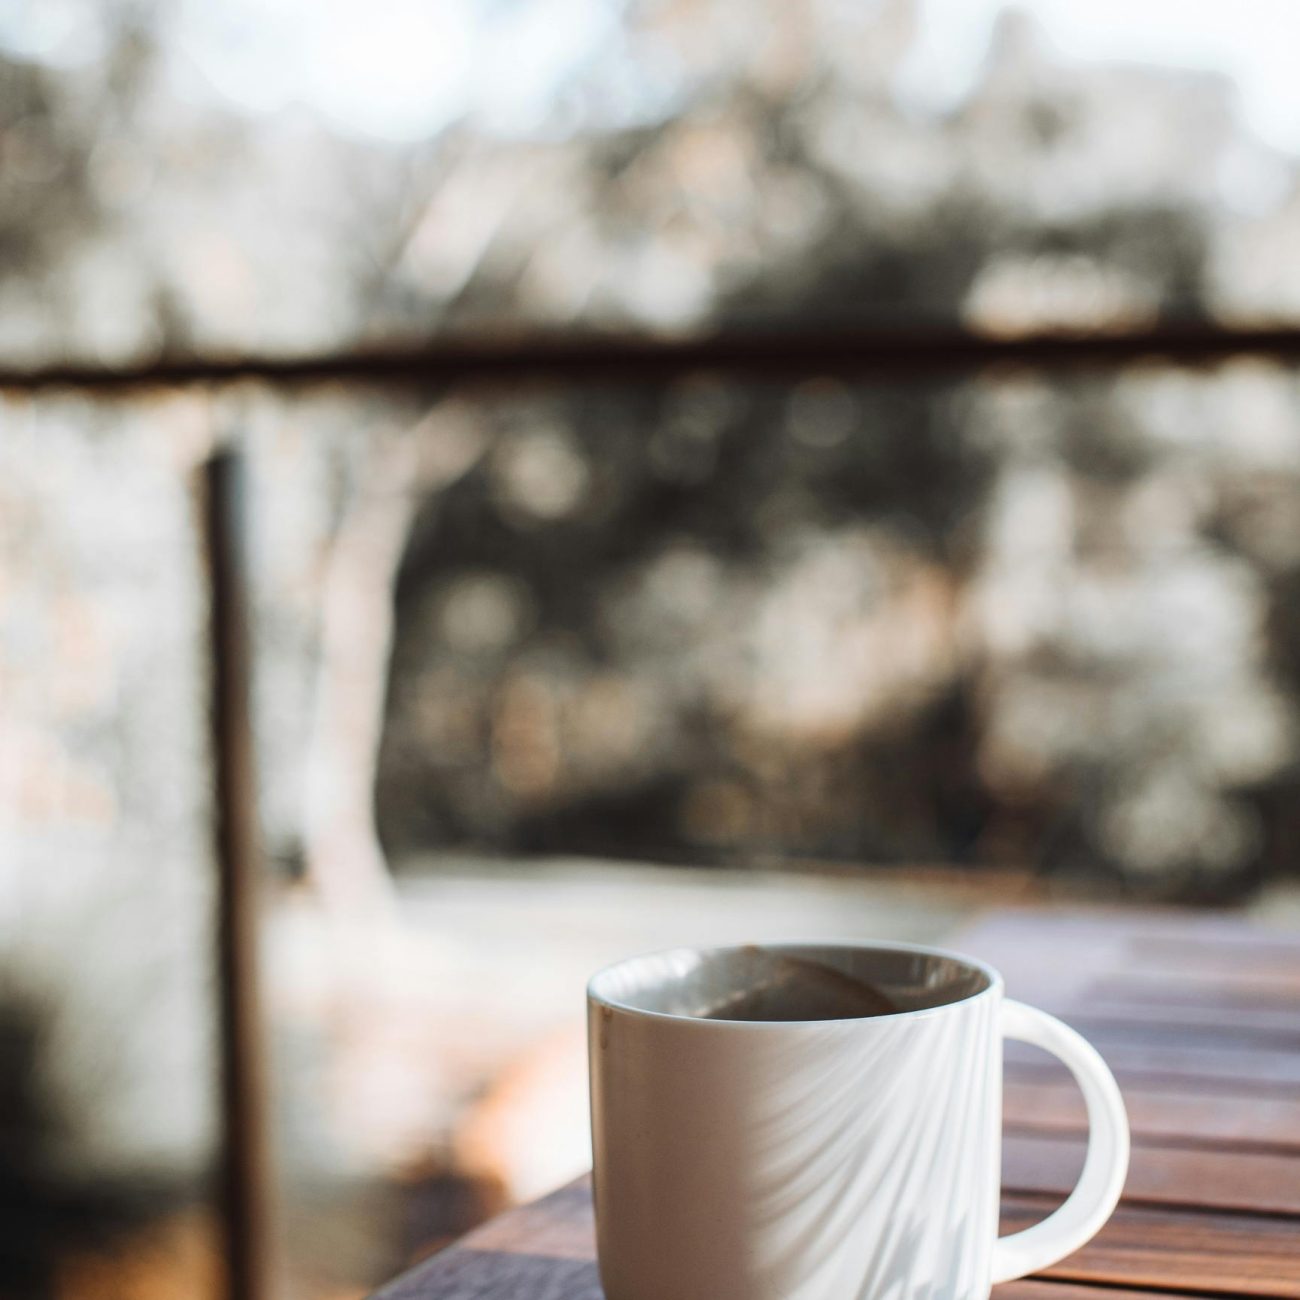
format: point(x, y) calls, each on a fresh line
point(246, 1167)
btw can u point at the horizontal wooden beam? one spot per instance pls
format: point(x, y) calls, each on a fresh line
point(583, 358)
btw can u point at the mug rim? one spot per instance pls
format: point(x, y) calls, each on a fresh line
point(994, 987)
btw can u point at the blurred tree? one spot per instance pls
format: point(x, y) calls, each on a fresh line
point(735, 479)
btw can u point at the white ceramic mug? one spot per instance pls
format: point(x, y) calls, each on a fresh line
point(822, 1159)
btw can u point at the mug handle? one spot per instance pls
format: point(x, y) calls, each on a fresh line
point(1105, 1167)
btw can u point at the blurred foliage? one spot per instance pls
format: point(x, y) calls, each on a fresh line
point(997, 620)
point(688, 170)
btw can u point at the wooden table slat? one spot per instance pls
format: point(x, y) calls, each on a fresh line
point(1238, 1121)
point(1217, 1180)
point(1155, 930)
point(1177, 991)
point(1235, 1254)
point(1038, 1288)
point(1129, 953)
point(1249, 1025)
point(1264, 1070)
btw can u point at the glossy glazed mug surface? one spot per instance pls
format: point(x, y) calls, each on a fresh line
point(821, 1158)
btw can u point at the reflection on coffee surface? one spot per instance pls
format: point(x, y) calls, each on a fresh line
point(797, 988)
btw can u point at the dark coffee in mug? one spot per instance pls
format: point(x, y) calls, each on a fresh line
point(787, 988)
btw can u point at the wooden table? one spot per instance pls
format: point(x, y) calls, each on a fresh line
point(1199, 1017)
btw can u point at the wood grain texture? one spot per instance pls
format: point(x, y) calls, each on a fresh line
point(1038, 1288)
point(1241, 994)
point(1240, 1121)
point(1234, 1254)
point(1264, 1070)
point(1200, 1018)
point(1250, 1025)
point(1152, 954)
point(1216, 1180)
point(1152, 930)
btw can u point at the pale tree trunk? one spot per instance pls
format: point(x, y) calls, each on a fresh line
point(344, 861)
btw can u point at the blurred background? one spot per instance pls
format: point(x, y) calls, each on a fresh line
point(559, 662)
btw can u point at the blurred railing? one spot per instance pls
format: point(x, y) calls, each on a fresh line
point(511, 361)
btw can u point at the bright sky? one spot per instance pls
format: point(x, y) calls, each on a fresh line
point(403, 68)
point(1254, 42)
